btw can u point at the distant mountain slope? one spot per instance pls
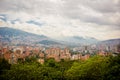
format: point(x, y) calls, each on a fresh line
point(49, 42)
point(110, 42)
point(80, 40)
point(14, 36)
point(5, 31)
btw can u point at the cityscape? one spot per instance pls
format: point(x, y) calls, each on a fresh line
point(13, 53)
point(59, 40)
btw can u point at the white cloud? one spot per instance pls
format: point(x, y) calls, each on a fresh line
point(59, 18)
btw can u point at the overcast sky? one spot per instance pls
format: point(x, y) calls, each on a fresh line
point(60, 18)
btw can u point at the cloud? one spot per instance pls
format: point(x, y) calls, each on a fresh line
point(34, 22)
point(93, 11)
point(60, 18)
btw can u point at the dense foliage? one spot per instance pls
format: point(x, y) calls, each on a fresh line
point(95, 68)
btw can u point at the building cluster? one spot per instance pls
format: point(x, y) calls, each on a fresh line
point(14, 54)
point(58, 53)
point(80, 57)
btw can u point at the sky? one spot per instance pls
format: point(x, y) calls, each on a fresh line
point(63, 18)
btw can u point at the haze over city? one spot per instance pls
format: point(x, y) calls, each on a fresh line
point(63, 18)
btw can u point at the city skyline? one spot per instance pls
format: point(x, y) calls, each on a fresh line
point(63, 18)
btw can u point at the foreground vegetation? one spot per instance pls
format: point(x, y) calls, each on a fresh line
point(95, 68)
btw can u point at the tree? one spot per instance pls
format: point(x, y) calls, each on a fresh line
point(113, 72)
point(4, 65)
point(92, 69)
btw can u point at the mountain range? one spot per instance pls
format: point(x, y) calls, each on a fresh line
point(80, 40)
point(110, 42)
point(19, 37)
point(14, 36)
